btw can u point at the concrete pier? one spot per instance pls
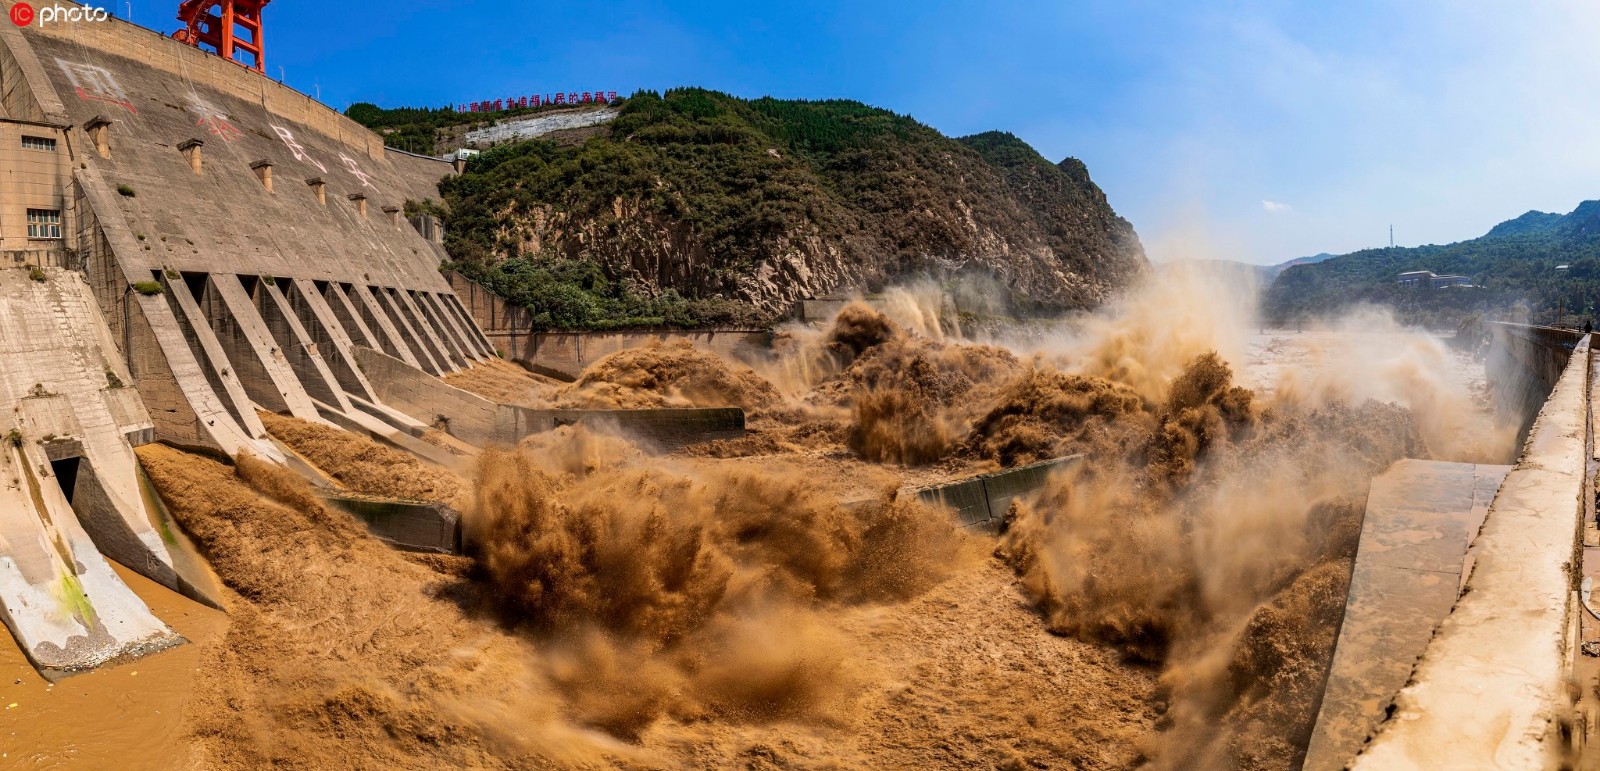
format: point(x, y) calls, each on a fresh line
point(70, 412)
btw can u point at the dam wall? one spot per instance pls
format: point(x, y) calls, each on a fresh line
point(69, 484)
point(183, 242)
point(1499, 681)
point(239, 237)
point(565, 355)
point(1523, 365)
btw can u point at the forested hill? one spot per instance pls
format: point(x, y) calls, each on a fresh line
point(1514, 268)
point(695, 207)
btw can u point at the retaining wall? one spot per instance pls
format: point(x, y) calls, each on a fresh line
point(982, 501)
point(478, 421)
point(566, 354)
point(411, 525)
point(1494, 688)
point(1523, 365)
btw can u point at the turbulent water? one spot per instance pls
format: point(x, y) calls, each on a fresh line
point(773, 602)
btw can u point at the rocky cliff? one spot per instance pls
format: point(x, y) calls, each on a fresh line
point(695, 196)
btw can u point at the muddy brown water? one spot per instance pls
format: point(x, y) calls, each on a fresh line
point(961, 663)
point(126, 717)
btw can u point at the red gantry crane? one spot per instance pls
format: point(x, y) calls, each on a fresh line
point(229, 28)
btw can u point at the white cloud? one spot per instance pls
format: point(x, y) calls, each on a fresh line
point(1273, 207)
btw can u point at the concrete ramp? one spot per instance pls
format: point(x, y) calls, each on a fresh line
point(69, 485)
point(1421, 519)
point(59, 597)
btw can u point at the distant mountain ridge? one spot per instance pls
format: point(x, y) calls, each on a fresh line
point(1532, 222)
point(1582, 222)
point(1263, 273)
point(1312, 260)
point(1517, 265)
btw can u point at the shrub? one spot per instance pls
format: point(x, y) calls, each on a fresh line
point(127, 192)
point(562, 293)
point(148, 288)
point(37, 273)
point(424, 206)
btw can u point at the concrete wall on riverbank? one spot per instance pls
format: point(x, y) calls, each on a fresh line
point(1495, 687)
point(476, 420)
point(566, 354)
point(982, 501)
point(1523, 365)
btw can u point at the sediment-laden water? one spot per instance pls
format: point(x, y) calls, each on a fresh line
point(770, 601)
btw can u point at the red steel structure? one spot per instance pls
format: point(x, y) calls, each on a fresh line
point(218, 24)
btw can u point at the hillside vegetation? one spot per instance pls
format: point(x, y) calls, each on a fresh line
point(1513, 267)
point(695, 207)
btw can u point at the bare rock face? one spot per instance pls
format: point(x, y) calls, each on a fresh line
point(769, 202)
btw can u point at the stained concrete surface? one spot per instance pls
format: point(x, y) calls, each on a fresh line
point(63, 386)
point(1492, 688)
point(1421, 517)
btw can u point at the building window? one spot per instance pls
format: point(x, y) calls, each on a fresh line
point(39, 143)
point(44, 224)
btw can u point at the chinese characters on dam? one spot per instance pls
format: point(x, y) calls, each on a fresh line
point(96, 84)
point(214, 120)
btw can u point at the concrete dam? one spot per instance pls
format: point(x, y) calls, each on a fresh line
point(185, 244)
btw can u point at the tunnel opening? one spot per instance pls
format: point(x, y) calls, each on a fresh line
point(196, 282)
point(65, 472)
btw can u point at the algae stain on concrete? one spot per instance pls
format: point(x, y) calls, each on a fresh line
point(69, 591)
point(75, 601)
point(155, 508)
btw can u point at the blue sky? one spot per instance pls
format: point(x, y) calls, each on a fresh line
point(1254, 129)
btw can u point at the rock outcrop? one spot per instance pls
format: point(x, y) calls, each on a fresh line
point(768, 202)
